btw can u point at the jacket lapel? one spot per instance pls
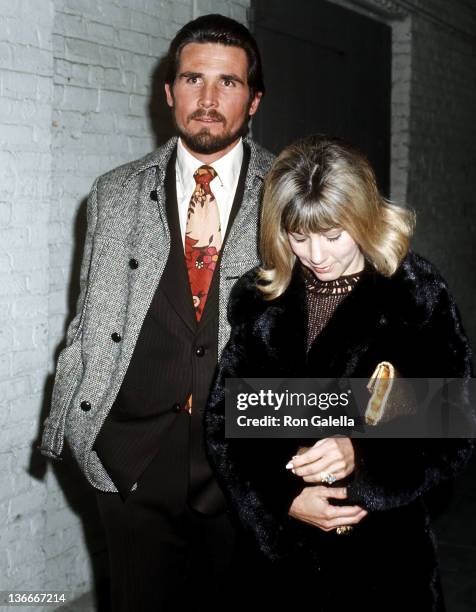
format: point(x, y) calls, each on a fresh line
point(143, 196)
point(236, 253)
point(177, 288)
point(150, 194)
point(237, 202)
point(240, 252)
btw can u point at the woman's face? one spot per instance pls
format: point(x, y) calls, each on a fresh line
point(328, 255)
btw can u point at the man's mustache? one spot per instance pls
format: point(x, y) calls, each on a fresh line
point(212, 114)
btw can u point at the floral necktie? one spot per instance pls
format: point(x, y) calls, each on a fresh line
point(202, 237)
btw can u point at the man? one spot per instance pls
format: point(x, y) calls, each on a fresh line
point(168, 235)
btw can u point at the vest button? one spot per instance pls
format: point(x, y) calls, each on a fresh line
point(199, 351)
point(86, 406)
point(153, 195)
point(133, 264)
point(177, 407)
point(116, 337)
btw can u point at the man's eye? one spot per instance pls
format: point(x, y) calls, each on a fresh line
point(192, 80)
point(228, 83)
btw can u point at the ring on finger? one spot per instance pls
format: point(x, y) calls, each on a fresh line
point(327, 477)
point(344, 530)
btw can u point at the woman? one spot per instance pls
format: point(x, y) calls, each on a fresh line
point(338, 293)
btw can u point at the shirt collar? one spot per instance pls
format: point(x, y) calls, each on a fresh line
point(227, 167)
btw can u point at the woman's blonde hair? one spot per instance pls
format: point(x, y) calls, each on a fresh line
point(320, 183)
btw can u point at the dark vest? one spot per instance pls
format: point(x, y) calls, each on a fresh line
point(174, 356)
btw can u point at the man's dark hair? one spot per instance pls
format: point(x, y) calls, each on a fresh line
point(224, 31)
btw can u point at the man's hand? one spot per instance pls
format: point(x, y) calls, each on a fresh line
point(332, 455)
point(312, 506)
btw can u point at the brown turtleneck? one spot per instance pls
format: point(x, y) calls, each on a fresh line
point(322, 298)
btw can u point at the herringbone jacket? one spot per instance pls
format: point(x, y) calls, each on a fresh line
point(125, 223)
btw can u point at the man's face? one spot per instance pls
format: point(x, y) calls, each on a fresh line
point(210, 98)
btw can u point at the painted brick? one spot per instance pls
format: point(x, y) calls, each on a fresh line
point(14, 237)
point(5, 364)
point(85, 51)
point(100, 32)
point(138, 105)
point(12, 285)
point(5, 55)
point(17, 87)
point(113, 102)
point(25, 33)
point(5, 213)
point(13, 389)
point(120, 16)
point(38, 284)
point(14, 437)
point(24, 361)
point(70, 25)
point(33, 60)
point(88, 8)
point(79, 99)
point(181, 13)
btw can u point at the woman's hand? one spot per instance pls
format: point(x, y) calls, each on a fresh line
point(332, 455)
point(312, 506)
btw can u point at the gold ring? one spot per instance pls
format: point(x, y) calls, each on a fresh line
point(344, 530)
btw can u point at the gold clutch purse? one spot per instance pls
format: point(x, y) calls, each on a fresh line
point(391, 396)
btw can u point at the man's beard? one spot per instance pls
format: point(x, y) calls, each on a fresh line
point(206, 143)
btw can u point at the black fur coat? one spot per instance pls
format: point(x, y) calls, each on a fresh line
point(388, 562)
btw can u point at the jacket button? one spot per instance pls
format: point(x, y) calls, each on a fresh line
point(133, 264)
point(86, 406)
point(116, 337)
point(153, 195)
point(199, 351)
point(177, 407)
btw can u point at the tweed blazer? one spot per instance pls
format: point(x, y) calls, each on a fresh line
point(127, 220)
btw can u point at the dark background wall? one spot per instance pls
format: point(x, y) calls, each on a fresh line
point(397, 78)
point(442, 177)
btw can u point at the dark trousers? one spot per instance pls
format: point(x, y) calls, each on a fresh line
point(163, 555)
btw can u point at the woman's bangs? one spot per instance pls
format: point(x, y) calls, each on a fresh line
point(305, 217)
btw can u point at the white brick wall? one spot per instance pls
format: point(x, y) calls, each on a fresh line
point(26, 95)
point(75, 84)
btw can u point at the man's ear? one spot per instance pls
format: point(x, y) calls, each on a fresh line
point(169, 95)
point(255, 102)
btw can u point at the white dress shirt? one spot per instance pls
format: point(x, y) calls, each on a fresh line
point(223, 186)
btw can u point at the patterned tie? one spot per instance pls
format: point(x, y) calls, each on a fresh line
point(202, 237)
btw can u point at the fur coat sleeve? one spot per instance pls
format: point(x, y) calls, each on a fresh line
point(391, 473)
